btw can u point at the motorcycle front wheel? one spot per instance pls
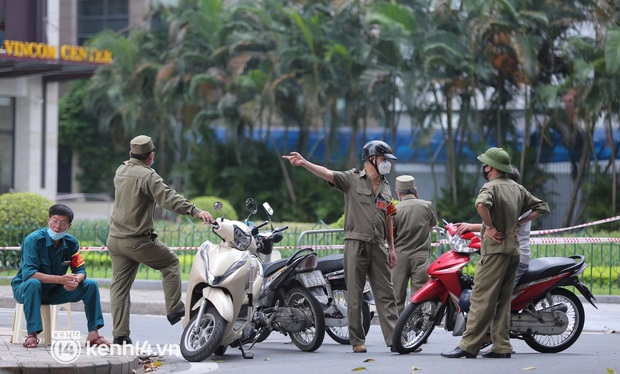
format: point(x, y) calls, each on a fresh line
point(310, 338)
point(341, 333)
point(197, 345)
point(576, 317)
point(414, 326)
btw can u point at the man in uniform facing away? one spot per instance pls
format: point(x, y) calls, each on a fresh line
point(413, 223)
point(132, 239)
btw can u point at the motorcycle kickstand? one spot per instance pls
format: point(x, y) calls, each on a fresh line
point(246, 355)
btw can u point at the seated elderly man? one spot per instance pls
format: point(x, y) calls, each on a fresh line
point(42, 278)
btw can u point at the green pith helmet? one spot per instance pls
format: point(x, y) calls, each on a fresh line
point(497, 158)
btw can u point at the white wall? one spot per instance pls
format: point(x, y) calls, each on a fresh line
point(35, 170)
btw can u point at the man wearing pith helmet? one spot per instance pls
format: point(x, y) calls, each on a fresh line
point(500, 201)
point(132, 239)
point(413, 224)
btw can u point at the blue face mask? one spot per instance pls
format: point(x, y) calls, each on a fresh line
point(56, 235)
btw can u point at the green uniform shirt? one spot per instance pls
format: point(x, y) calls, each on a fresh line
point(506, 201)
point(412, 223)
point(40, 254)
point(138, 188)
point(364, 212)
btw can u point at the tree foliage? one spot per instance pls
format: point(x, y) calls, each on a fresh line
point(483, 72)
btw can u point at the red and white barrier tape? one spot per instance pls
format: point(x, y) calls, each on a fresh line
point(339, 247)
point(593, 223)
point(440, 242)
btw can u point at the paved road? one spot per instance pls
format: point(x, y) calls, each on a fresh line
point(596, 351)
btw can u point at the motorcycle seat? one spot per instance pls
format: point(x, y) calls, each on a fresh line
point(545, 267)
point(330, 263)
point(271, 267)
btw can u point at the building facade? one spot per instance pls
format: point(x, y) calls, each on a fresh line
point(41, 48)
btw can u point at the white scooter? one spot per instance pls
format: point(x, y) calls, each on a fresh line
point(222, 292)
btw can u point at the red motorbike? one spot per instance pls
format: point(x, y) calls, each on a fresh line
point(547, 316)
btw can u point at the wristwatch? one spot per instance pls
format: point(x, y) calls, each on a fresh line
point(487, 226)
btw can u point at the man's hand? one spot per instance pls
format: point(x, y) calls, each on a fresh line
point(205, 216)
point(70, 281)
point(393, 259)
point(462, 227)
point(493, 234)
point(295, 159)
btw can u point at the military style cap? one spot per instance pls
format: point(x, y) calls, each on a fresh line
point(497, 158)
point(405, 183)
point(141, 144)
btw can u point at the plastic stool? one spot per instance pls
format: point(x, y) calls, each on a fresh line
point(49, 316)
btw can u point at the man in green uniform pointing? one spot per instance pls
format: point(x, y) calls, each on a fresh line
point(132, 239)
point(368, 226)
point(500, 201)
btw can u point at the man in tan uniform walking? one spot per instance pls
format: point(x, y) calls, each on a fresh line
point(368, 224)
point(413, 223)
point(132, 239)
point(499, 203)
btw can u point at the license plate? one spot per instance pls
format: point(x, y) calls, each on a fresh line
point(312, 279)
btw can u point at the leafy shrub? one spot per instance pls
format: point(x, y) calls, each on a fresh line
point(21, 213)
point(339, 224)
point(206, 203)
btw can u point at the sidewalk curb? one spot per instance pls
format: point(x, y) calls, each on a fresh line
point(116, 364)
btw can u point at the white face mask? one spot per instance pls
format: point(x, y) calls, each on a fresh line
point(56, 235)
point(384, 167)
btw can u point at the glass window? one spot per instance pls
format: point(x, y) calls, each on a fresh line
point(117, 24)
point(118, 7)
point(90, 8)
point(7, 126)
point(90, 27)
point(95, 16)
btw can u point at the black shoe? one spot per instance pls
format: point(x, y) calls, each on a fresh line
point(121, 339)
point(458, 353)
point(176, 316)
point(492, 354)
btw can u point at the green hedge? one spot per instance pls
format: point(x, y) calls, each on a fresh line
point(206, 203)
point(21, 213)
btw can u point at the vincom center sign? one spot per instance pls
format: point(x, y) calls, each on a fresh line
point(44, 51)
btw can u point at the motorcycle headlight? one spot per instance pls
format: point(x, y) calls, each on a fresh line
point(461, 245)
point(241, 238)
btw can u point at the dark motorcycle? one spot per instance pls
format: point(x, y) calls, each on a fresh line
point(547, 316)
point(289, 301)
point(336, 321)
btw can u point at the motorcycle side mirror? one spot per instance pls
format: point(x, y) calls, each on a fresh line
point(269, 212)
point(218, 206)
point(267, 208)
point(251, 205)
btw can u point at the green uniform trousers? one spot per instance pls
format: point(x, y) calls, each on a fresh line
point(490, 303)
point(127, 254)
point(362, 259)
point(410, 267)
point(32, 294)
